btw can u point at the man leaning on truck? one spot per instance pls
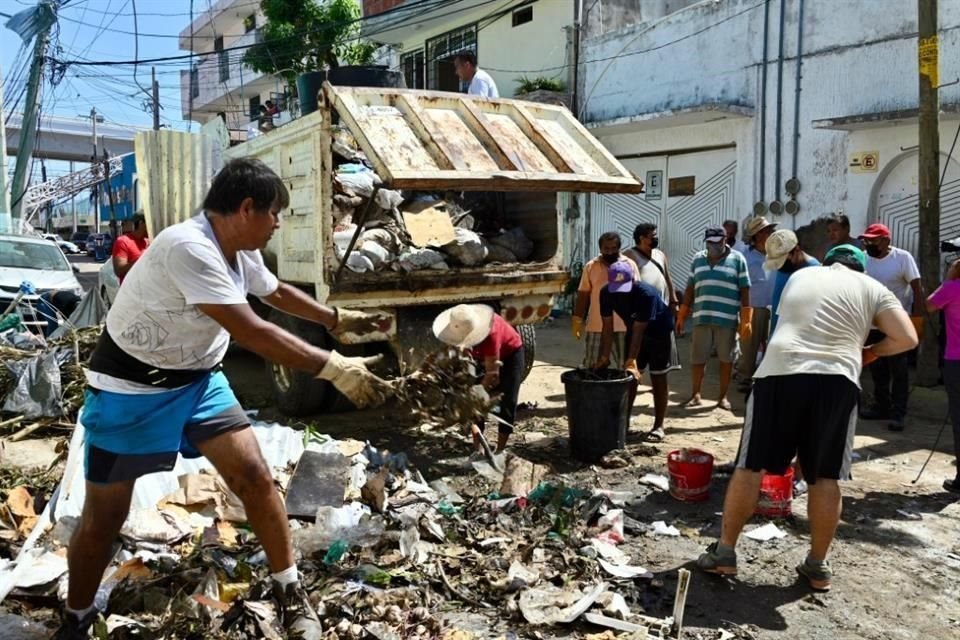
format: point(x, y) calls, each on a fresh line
point(155, 388)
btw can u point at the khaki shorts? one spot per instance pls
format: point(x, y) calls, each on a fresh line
point(591, 349)
point(707, 337)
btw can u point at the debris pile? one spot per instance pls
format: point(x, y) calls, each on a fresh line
point(378, 229)
point(443, 391)
point(384, 554)
point(42, 378)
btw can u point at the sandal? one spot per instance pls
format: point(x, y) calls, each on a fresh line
point(713, 562)
point(819, 577)
point(656, 435)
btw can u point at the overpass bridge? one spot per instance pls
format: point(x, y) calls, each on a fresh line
point(60, 138)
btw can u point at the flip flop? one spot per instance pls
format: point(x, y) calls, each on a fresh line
point(725, 405)
point(656, 435)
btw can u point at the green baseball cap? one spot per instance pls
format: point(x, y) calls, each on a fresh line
point(847, 251)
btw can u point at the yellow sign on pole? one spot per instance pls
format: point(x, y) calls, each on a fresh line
point(928, 58)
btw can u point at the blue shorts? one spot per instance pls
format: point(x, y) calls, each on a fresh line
point(130, 434)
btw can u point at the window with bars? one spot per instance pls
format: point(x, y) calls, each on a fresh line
point(440, 52)
point(254, 108)
point(223, 59)
point(413, 69)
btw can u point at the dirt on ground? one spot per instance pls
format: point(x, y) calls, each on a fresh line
point(896, 558)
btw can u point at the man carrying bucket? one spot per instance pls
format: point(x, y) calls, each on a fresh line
point(650, 340)
point(805, 397)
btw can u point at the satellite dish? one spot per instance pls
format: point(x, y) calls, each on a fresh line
point(792, 207)
point(759, 208)
point(792, 187)
point(776, 207)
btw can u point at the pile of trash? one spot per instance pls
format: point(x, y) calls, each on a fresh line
point(412, 231)
point(444, 392)
point(43, 378)
point(383, 553)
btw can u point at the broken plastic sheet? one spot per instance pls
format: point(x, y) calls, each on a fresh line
point(91, 312)
point(553, 605)
point(38, 391)
point(766, 533)
point(280, 446)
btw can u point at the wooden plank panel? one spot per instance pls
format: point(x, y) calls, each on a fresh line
point(600, 154)
point(527, 155)
point(512, 181)
point(445, 154)
point(463, 147)
point(529, 125)
point(480, 126)
point(577, 157)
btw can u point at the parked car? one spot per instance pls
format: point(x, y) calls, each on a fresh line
point(65, 245)
point(43, 265)
point(107, 283)
point(79, 238)
point(92, 243)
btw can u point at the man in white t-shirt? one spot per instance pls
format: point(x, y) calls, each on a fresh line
point(479, 82)
point(895, 269)
point(804, 400)
point(156, 391)
point(652, 263)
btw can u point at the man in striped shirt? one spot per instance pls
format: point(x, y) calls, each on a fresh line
point(718, 292)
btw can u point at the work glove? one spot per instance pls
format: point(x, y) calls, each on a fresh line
point(359, 323)
point(351, 377)
point(868, 357)
point(631, 367)
point(682, 316)
point(918, 325)
point(746, 323)
point(576, 327)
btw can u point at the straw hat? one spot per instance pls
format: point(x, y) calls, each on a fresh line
point(464, 326)
point(758, 224)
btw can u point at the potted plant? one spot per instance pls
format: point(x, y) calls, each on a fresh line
point(543, 89)
point(309, 41)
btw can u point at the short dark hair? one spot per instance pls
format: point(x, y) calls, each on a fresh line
point(610, 235)
point(245, 178)
point(137, 219)
point(642, 230)
point(846, 260)
point(269, 103)
point(732, 223)
point(466, 56)
point(840, 219)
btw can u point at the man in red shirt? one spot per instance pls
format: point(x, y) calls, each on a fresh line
point(128, 247)
point(493, 342)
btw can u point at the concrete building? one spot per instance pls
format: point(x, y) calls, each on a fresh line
point(512, 40)
point(718, 104)
point(218, 81)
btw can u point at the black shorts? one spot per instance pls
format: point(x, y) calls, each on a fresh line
point(810, 416)
point(658, 353)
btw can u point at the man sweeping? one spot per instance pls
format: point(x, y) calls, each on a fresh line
point(155, 388)
point(805, 397)
point(495, 344)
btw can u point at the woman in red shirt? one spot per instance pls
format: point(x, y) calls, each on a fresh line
point(495, 344)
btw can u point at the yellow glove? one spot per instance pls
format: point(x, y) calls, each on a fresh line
point(746, 323)
point(918, 325)
point(351, 377)
point(576, 327)
point(359, 323)
point(682, 316)
point(631, 367)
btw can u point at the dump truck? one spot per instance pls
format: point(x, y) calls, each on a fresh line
point(517, 154)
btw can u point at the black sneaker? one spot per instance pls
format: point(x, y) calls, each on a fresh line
point(74, 628)
point(296, 614)
point(874, 413)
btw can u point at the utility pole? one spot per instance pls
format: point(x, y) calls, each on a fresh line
point(106, 184)
point(31, 113)
point(156, 100)
point(4, 202)
point(73, 204)
point(928, 62)
point(93, 161)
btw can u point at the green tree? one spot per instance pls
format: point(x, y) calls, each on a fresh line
point(308, 35)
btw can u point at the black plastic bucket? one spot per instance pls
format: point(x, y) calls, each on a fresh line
point(598, 411)
point(308, 86)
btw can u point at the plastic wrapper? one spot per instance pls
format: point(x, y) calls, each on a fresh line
point(516, 241)
point(415, 259)
point(38, 389)
point(376, 254)
point(468, 249)
point(499, 254)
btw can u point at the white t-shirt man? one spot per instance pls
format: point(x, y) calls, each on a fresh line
point(155, 317)
point(825, 316)
point(895, 271)
point(483, 85)
point(652, 274)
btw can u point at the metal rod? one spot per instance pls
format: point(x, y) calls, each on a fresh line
point(763, 102)
point(356, 234)
point(796, 92)
point(779, 145)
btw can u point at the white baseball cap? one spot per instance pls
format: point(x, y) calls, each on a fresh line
point(779, 245)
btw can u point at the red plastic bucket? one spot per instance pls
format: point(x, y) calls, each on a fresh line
point(690, 473)
point(776, 495)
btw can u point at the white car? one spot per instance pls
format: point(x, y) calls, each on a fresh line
point(107, 283)
point(34, 260)
point(65, 245)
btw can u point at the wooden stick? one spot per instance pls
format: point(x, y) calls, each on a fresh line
point(23, 433)
point(11, 421)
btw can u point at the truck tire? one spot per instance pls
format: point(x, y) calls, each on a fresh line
point(528, 334)
point(297, 393)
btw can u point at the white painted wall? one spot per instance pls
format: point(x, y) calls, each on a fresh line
point(859, 58)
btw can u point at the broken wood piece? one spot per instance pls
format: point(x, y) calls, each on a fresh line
point(11, 421)
point(429, 224)
point(521, 476)
point(23, 433)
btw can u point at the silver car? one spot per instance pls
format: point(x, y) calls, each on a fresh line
point(36, 261)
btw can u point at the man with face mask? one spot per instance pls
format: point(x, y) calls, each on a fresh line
point(895, 269)
point(761, 291)
point(586, 311)
point(718, 295)
point(652, 263)
point(784, 256)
